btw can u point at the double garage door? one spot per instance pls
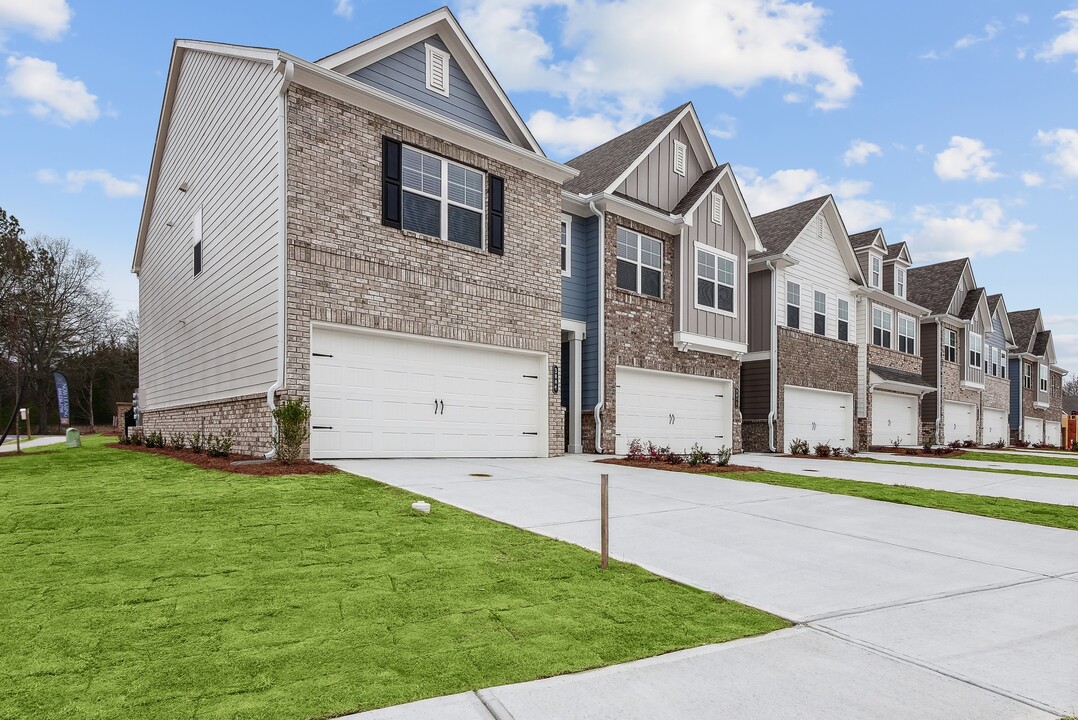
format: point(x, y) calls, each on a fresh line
point(394, 395)
point(994, 426)
point(894, 418)
point(959, 421)
point(817, 416)
point(672, 409)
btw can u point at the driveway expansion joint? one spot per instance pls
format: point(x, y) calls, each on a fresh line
point(493, 705)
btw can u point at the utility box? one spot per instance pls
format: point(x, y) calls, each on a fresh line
point(73, 439)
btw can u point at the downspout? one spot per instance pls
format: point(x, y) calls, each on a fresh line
point(774, 357)
point(601, 334)
point(939, 382)
point(287, 69)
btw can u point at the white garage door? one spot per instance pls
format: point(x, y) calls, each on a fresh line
point(1053, 433)
point(672, 409)
point(994, 426)
point(959, 421)
point(1034, 428)
point(396, 395)
point(817, 416)
point(894, 417)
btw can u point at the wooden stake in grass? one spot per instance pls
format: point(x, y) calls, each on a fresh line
point(604, 522)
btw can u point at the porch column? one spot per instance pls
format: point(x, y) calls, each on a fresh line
point(575, 408)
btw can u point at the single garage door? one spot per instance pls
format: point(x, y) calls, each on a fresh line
point(395, 395)
point(959, 421)
point(1034, 428)
point(1053, 433)
point(817, 416)
point(894, 417)
point(994, 426)
point(672, 409)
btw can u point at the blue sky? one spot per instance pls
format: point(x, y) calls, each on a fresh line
point(954, 125)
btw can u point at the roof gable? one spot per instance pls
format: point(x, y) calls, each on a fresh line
point(869, 240)
point(934, 286)
point(441, 23)
point(722, 178)
point(898, 251)
point(1025, 324)
point(779, 228)
point(998, 308)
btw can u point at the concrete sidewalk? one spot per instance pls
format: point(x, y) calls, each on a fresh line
point(36, 442)
point(907, 612)
point(1059, 491)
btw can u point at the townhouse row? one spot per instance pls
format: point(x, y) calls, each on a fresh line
point(379, 234)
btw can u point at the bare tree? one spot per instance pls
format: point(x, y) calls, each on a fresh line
point(1070, 387)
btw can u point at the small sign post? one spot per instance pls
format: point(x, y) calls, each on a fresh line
point(604, 522)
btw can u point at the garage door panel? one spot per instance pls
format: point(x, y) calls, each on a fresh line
point(959, 421)
point(817, 416)
point(894, 417)
point(672, 409)
point(1034, 430)
point(1053, 433)
point(994, 426)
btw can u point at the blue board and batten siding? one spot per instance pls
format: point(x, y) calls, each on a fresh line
point(404, 74)
point(1014, 371)
point(580, 301)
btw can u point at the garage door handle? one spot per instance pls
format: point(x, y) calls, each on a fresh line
point(441, 404)
point(529, 433)
point(322, 427)
point(533, 377)
point(320, 355)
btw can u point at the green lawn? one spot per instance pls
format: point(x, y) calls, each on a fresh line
point(958, 466)
point(135, 586)
point(1057, 516)
point(1021, 458)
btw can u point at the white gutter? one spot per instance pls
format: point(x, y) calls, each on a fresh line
point(287, 69)
point(939, 379)
point(601, 334)
point(774, 357)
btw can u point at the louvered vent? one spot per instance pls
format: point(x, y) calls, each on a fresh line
point(716, 208)
point(437, 70)
point(679, 158)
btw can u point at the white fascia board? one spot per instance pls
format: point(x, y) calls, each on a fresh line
point(845, 248)
point(878, 383)
point(647, 151)
point(577, 327)
point(1058, 369)
point(669, 224)
point(575, 204)
point(886, 298)
point(702, 343)
point(442, 23)
point(780, 261)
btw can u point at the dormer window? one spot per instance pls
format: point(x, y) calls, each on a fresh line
point(875, 270)
point(900, 282)
point(716, 208)
point(437, 70)
point(679, 158)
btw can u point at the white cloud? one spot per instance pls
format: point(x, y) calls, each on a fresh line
point(1022, 19)
point(1032, 179)
point(990, 31)
point(76, 180)
point(965, 158)
point(860, 151)
point(725, 128)
point(1065, 43)
point(786, 187)
point(51, 95)
point(344, 8)
point(573, 135)
point(45, 19)
point(1064, 144)
point(977, 229)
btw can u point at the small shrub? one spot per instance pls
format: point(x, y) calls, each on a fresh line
point(672, 458)
point(125, 439)
point(998, 445)
point(850, 451)
point(636, 450)
point(799, 447)
point(198, 441)
point(219, 445)
point(954, 444)
point(969, 444)
point(896, 443)
point(927, 446)
point(836, 452)
point(1074, 445)
point(177, 441)
point(1022, 443)
point(699, 456)
point(137, 437)
point(292, 418)
point(722, 457)
point(911, 451)
point(155, 440)
point(823, 450)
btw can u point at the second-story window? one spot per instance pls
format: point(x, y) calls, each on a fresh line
point(844, 320)
point(715, 273)
point(640, 263)
point(566, 245)
point(442, 198)
point(975, 348)
point(900, 282)
point(950, 346)
point(994, 358)
point(819, 316)
point(1027, 376)
point(1044, 378)
point(881, 327)
point(907, 334)
point(793, 305)
point(1002, 363)
point(875, 268)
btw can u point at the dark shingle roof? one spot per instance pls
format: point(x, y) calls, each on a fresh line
point(778, 229)
point(1023, 323)
point(602, 165)
point(969, 306)
point(933, 286)
point(901, 376)
point(863, 239)
point(1040, 345)
point(993, 302)
point(894, 250)
point(698, 190)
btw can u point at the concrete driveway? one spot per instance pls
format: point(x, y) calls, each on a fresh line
point(10, 445)
point(904, 612)
point(1059, 491)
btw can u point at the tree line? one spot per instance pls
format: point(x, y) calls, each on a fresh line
point(56, 316)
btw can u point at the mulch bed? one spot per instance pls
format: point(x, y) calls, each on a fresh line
point(918, 452)
point(227, 464)
point(683, 467)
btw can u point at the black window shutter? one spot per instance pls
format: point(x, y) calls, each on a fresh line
point(391, 182)
point(496, 216)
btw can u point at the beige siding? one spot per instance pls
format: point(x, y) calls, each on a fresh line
point(727, 238)
point(654, 182)
point(213, 336)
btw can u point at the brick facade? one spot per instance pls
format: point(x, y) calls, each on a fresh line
point(895, 360)
point(950, 386)
point(812, 361)
point(248, 418)
point(639, 333)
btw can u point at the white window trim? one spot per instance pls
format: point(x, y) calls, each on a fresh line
point(567, 220)
point(716, 208)
point(680, 154)
point(701, 247)
point(913, 337)
point(640, 265)
point(1043, 379)
point(1027, 376)
point(816, 312)
point(875, 271)
point(892, 330)
point(900, 285)
point(786, 316)
point(839, 319)
point(433, 52)
point(949, 333)
point(444, 201)
point(969, 358)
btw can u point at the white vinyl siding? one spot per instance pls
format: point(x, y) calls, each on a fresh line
point(716, 280)
point(882, 323)
point(567, 245)
point(640, 263)
point(213, 337)
point(820, 269)
point(437, 70)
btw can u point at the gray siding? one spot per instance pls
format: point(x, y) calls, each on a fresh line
point(759, 311)
point(930, 354)
point(585, 263)
point(727, 238)
point(654, 182)
point(888, 277)
point(213, 336)
point(756, 389)
point(404, 74)
point(574, 289)
point(1015, 372)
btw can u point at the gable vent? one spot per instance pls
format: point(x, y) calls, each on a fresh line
point(716, 208)
point(679, 158)
point(437, 70)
